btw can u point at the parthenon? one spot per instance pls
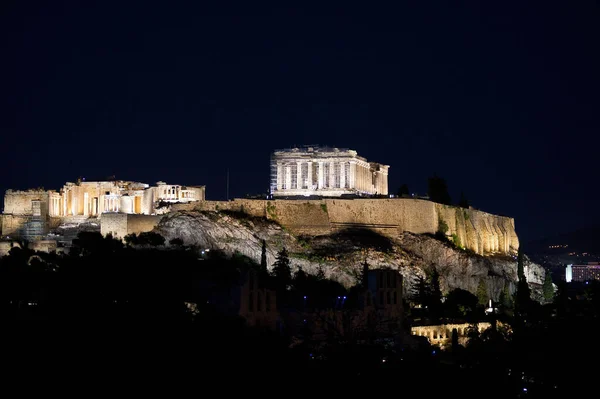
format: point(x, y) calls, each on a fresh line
point(323, 171)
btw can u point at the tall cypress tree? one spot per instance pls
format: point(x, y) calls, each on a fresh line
point(523, 294)
point(435, 298)
point(263, 257)
point(482, 294)
point(505, 298)
point(365, 274)
point(282, 269)
point(548, 288)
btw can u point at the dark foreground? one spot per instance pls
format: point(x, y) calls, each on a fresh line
point(159, 359)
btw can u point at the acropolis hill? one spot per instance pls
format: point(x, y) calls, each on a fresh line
point(317, 193)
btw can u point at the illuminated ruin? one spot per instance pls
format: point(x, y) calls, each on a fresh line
point(31, 213)
point(328, 172)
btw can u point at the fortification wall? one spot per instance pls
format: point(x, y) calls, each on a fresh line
point(114, 223)
point(19, 202)
point(478, 231)
point(13, 224)
point(121, 224)
point(142, 223)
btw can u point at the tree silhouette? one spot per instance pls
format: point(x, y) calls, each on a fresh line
point(403, 191)
point(365, 275)
point(523, 294)
point(282, 270)
point(460, 303)
point(421, 291)
point(435, 295)
point(176, 242)
point(548, 288)
point(463, 202)
point(320, 273)
point(454, 340)
point(482, 294)
point(150, 238)
point(505, 298)
point(438, 191)
point(263, 257)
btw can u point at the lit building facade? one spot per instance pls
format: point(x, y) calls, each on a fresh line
point(329, 172)
point(580, 273)
point(30, 213)
point(94, 198)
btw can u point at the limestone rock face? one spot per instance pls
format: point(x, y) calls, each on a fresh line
point(340, 255)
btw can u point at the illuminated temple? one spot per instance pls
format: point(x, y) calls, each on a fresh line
point(30, 213)
point(323, 171)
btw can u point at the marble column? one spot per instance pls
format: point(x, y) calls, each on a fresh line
point(299, 184)
point(351, 182)
point(331, 174)
point(342, 174)
point(86, 205)
point(288, 177)
point(309, 175)
point(279, 177)
point(320, 186)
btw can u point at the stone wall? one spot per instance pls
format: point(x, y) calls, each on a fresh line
point(6, 246)
point(19, 202)
point(142, 223)
point(114, 223)
point(13, 224)
point(478, 231)
point(121, 224)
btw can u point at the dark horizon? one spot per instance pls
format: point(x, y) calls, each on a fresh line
point(498, 99)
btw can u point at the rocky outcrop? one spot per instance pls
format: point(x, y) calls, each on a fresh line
point(341, 253)
point(481, 232)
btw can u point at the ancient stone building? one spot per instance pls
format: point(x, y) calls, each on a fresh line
point(441, 334)
point(322, 171)
point(30, 214)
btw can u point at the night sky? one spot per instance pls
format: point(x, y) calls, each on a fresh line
point(499, 99)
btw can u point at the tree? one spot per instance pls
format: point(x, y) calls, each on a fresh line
point(482, 294)
point(548, 288)
point(281, 268)
point(320, 273)
point(435, 295)
point(463, 202)
point(300, 280)
point(151, 238)
point(523, 294)
point(263, 257)
point(365, 275)
point(403, 191)
point(131, 239)
point(505, 298)
point(420, 291)
point(438, 191)
point(520, 266)
point(460, 303)
point(176, 242)
point(454, 340)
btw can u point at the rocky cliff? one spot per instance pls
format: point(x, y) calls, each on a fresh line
point(481, 232)
point(341, 253)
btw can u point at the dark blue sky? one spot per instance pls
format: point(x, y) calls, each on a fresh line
point(500, 99)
